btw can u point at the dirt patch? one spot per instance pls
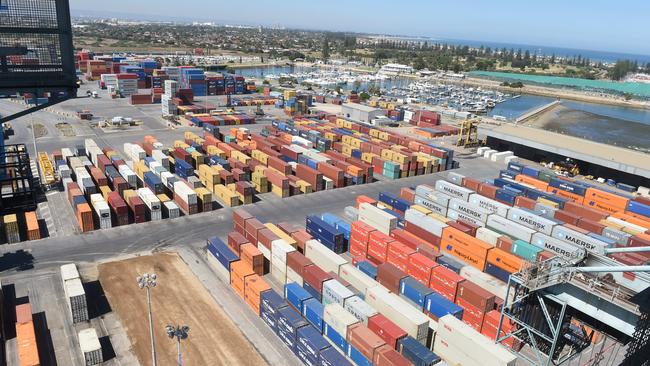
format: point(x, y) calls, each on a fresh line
point(179, 298)
point(39, 130)
point(65, 129)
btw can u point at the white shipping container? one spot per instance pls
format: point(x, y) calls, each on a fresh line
point(619, 236)
point(161, 158)
point(489, 283)
point(530, 220)
point(455, 215)
point(500, 157)
point(326, 259)
point(266, 252)
point(429, 193)
point(293, 276)
point(335, 292)
point(96, 197)
point(403, 314)
point(377, 218)
point(452, 354)
point(103, 213)
point(152, 202)
point(483, 351)
point(545, 211)
point(627, 224)
point(359, 280)
point(91, 349)
point(223, 273)
point(487, 235)
point(360, 309)
point(436, 208)
point(69, 272)
point(64, 171)
point(75, 163)
point(171, 210)
point(489, 204)
point(510, 228)
point(279, 250)
point(329, 184)
point(469, 209)
point(129, 175)
point(76, 297)
point(488, 154)
point(338, 318)
point(453, 190)
point(455, 178)
point(556, 246)
point(66, 153)
point(279, 273)
point(578, 239)
point(425, 222)
point(185, 192)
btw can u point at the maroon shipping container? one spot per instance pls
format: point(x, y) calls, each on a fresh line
point(311, 176)
point(119, 208)
point(187, 209)
point(265, 237)
point(279, 165)
point(297, 262)
point(277, 179)
point(147, 147)
point(423, 234)
point(567, 217)
point(245, 188)
point(592, 226)
point(236, 240)
point(364, 340)
point(584, 211)
point(407, 194)
point(472, 184)
point(332, 172)
point(390, 276)
point(387, 356)
point(504, 243)
point(226, 177)
point(525, 202)
point(388, 331)
point(475, 295)
point(315, 277)
point(286, 151)
point(460, 227)
point(253, 226)
point(636, 241)
point(138, 210)
point(181, 154)
point(429, 251)
point(488, 190)
point(642, 200)
point(472, 226)
point(120, 184)
point(287, 227)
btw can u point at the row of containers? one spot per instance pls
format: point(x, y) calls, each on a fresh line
point(20, 227)
point(398, 310)
point(26, 344)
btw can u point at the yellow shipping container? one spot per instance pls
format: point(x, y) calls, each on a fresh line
point(229, 198)
point(422, 209)
point(546, 202)
point(163, 198)
point(346, 150)
point(304, 186)
point(215, 151)
point(281, 234)
point(181, 144)
point(128, 193)
point(387, 154)
point(367, 157)
point(12, 231)
point(105, 190)
point(240, 156)
point(399, 158)
point(282, 193)
point(260, 156)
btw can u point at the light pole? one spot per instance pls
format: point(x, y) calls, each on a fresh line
point(148, 281)
point(180, 333)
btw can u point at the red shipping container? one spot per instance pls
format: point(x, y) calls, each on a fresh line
point(390, 332)
point(589, 225)
point(378, 245)
point(253, 226)
point(301, 237)
point(460, 227)
point(429, 251)
point(408, 239)
point(361, 231)
point(423, 234)
point(297, 262)
point(567, 217)
point(445, 282)
point(264, 237)
point(236, 240)
point(119, 209)
point(407, 194)
point(472, 315)
point(315, 277)
point(398, 255)
point(358, 248)
point(525, 202)
point(584, 211)
point(364, 199)
point(419, 267)
point(487, 190)
point(387, 356)
point(137, 206)
point(364, 340)
point(472, 184)
point(491, 324)
point(475, 295)
point(504, 243)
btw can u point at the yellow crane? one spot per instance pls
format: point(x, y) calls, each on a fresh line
point(468, 135)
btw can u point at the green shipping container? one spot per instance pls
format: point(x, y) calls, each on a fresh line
point(545, 176)
point(390, 174)
point(525, 250)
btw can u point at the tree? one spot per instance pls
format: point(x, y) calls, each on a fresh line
point(364, 96)
point(326, 49)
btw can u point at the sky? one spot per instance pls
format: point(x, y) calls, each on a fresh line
point(603, 25)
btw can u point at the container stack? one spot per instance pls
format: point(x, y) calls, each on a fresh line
point(91, 349)
point(152, 203)
point(102, 212)
point(75, 293)
point(26, 336)
point(11, 228)
point(166, 101)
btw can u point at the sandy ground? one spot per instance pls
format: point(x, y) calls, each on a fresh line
point(179, 298)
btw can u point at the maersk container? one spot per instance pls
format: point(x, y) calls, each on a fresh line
point(414, 322)
point(368, 269)
point(357, 357)
point(309, 344)
point(510, 228)
point(531, 220)
point(289, 321)
point(296, 295)
point(453, 190)
point(525, 250)
point(604, 239)
point(332, 357)
point(440, 306)
point(323, 257)
point(360, 309)
point(425, 222)
point(489, 204)
point(581, 240)
point(459, 216)
point(414, 291)
point(556, 246)
point(619, 236)
point(357, 278)
point(270, 304)
point(335, 292)
point(436, 208)
point(415, 352)
point(639, 208)
point(377, 218)
point(432, 195)
point(312, 310)
point(470, 209)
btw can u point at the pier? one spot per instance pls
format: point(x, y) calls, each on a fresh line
point(536, 111)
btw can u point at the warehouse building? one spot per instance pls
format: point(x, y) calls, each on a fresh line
point(361, 113)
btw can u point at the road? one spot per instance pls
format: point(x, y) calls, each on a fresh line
point(193, 230)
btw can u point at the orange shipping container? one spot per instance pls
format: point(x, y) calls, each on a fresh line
point(254, 285)
point(458, 238)
point(85, 217)
point(504, 260)
point(254, 257)
point(24, 313)
point(238, 273)
point(471, 258)
point(631, 219)
point(564, 194)
point(602, 206)
point(637, 216)
point(31, 221)
point(26, 344)
point(539, 184)
point(364, 199)
point(606, 198)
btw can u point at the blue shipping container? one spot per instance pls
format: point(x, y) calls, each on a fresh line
point(296, 295)
point(450, 262)
point(506, 196)
point(310, 343)
point(568, 186)
point(507, 174)
point(440, 306)
point(368, 268)
point(530, 171)
point(357, 357)
point(312, 291)
point(332, 357)
point(639, 208)
point(515, 167)
point(497, 272)
point(338, 340)
point(417, 353)
point(313, 310)
point(221, 252)
point(414, 291)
